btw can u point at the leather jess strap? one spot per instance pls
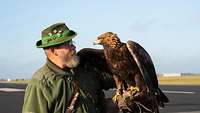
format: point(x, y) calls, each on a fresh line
point(74, 98)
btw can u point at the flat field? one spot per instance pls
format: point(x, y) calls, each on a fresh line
point(176, 80)
point(182, 80)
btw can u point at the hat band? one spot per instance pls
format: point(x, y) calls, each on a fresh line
point(57, 36)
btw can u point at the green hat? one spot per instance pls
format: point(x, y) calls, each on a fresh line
point(56, 34)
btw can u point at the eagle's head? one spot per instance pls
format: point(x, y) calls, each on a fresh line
point(108, 39)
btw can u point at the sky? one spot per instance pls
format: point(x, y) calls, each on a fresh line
point(169, 30)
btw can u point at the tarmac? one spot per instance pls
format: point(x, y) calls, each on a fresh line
point(183, 99)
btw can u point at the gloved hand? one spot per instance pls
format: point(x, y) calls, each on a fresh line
point(122, 104)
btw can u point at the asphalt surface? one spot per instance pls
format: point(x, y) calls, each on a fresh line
point(183, 99)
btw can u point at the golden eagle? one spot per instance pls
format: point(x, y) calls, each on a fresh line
point(132, 70)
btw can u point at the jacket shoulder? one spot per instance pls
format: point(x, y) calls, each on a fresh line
point(43, 72)
point(43, 75)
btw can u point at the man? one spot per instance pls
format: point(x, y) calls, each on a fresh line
point(67, 82)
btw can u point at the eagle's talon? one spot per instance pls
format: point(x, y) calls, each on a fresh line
point(134, 90)
point(119, 92)
point(114, 98)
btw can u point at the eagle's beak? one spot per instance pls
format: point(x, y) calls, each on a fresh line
point(96, 42)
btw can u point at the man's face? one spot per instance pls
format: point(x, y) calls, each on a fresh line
point(67, 53)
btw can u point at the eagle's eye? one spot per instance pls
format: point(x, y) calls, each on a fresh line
point(98, 38)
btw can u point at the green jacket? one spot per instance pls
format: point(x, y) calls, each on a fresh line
point(50, 89)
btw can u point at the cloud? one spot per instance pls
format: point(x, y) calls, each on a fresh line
point(143, 26)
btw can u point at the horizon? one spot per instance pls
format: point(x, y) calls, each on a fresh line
point(167, 75)
point(168, 30)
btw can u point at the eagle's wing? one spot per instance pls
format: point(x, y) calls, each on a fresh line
point(146, 67)
point(95, 59)
point(144, 63)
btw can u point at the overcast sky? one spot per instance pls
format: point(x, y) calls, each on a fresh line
point(168, 30)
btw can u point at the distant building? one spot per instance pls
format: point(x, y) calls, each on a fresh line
point(9, 80)
point(171, 74)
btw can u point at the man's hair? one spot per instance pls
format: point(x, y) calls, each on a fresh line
point(54, 46)
point(45, 50)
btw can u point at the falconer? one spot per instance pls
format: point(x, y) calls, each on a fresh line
point(68, 82)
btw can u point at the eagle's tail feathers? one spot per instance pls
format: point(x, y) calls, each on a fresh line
point(162, 98)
